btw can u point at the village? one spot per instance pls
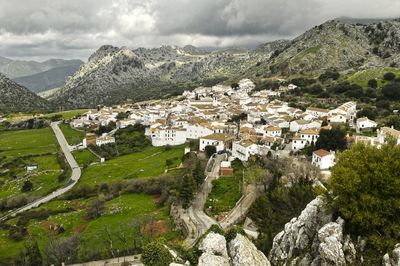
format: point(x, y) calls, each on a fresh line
point(236, 120)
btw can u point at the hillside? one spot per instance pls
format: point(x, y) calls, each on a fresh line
point(338, 45)
point(49, 79)
point(114, 74)
point(20, 68)
point(15, 98)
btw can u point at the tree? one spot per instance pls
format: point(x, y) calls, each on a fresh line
point(31, 255)
point(186, 190)
point(95, 209)
point(27, 186)
point(392, 91)
point(365, 186)
point(393, 120)
point(389, 76)
point(198, 173)
point(210, 150)
point(367, 112)
point(169, 162)
point(372, 83)
point(235, 86)
point(333, 139)
point(330, 74)
point(63, 250)
point(156, 254)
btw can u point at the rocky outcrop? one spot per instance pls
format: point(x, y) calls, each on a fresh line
point(392, 259)
point(244, 253)
point(214, 244)
point(313, 239)
point(207, 259)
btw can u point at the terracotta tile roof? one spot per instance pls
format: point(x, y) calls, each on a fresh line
point(321, 153)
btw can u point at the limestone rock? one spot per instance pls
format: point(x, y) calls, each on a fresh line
point(394, 258)
point(244, 253)
point(207, 259)
point(214, 244)
point(313, 239)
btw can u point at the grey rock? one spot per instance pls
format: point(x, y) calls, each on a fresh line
point(214, 244)
point(207, 259)
point(244, 253)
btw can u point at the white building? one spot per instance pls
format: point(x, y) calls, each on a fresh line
point(244, 149)
point(317, 112)
point(163, 135)
point(298, 143)
point(364, 124)
point(311, 135)
point(386, 132)
point(220, 141)
point(323, 159)
point(196, 131)
point(272, 131)
point(104, 139)
point(125, 123)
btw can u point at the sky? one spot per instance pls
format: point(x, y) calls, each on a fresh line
point(43, 29)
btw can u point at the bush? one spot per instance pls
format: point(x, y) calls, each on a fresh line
point(334, 139)
point(392, 91)
point(372, 83)
point(365, 190)
point(330, 74)
point(27, 186)
point(95, 209)
point(210, 150)
point(156, 254)
point(389, 76)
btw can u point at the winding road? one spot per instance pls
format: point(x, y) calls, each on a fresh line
point(76, 174)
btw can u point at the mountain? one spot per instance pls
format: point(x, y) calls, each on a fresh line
point(20, 68)
point(15, 98)
point(336, 44)
point(49, 79)
point(114, 74)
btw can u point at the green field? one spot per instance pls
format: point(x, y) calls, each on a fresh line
point(148, 163)
point(84, 157)
point(224, 195)
point(362, 77)
point(22, 148)
point(27, 142)
point(68, 114)
point(72, 136)
point(133, 217)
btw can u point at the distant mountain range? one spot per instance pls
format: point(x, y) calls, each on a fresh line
point(39, 76)
point(16, 98)
point(114, 74)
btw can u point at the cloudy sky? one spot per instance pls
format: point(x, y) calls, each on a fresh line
point(41, 29)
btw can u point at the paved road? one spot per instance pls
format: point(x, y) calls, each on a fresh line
point(198, 218)
point(76, 174)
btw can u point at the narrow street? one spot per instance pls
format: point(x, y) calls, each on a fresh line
point(76, 174)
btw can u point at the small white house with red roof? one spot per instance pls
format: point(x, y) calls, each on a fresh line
point(323, 159)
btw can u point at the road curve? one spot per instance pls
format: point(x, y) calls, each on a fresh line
point(76, 174)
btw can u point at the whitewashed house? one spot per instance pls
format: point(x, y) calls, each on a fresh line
point(365, 124)
point(165, 135)
point(220, 141)
point(298, 143)
point(387, 132)
point(272, 131)
point(317, 112)
point(244, 149)
point(104, 139)
point(323, 159)
point(196, 131)
point(311, 135)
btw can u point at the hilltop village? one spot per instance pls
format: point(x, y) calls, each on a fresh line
point(239, 120)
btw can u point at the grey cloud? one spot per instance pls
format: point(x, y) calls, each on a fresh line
point(75, 28)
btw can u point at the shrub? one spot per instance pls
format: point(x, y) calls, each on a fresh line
point(27, 186)
point(365, 183)
point(389, 76)
point(95, 209)
point(156, 254)
point(210, 150)
point(372, 83)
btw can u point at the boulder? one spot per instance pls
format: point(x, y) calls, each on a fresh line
point(214, 244)
point(207, 259)
point(313, 239)
point(392, 259)
point(244, 253)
